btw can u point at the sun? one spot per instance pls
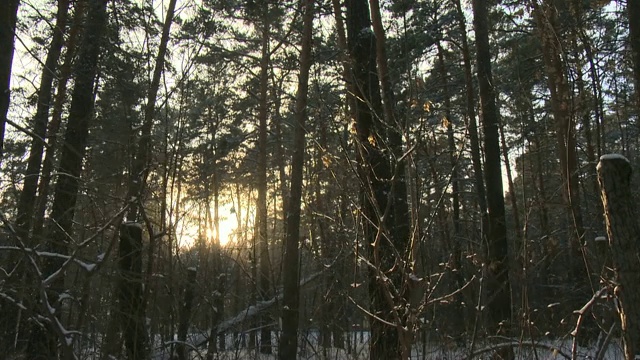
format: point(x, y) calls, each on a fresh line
point(227, 232)
point(190, 229)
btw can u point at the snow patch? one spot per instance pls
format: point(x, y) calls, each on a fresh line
point(133, 224)
point(600, 238)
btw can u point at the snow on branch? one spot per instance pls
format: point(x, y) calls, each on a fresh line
point(609, 157)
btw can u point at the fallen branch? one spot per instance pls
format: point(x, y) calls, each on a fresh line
point(513, 344)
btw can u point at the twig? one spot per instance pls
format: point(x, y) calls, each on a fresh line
point(581, 312)
point(605, 344)
point(495, 347)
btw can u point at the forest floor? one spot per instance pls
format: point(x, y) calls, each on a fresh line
point(359, 345)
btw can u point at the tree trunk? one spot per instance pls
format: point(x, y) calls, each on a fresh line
point(56, 119)
point(476, 159)
point(8, 19)
point(185, 314)
point(140, 168)
point(291, 292)
point(545, 15)
point(70, 168)
point(456, 255)
point(512, 188)
point(130, 291)
point(633, 13)
point(218, 268)
point(499, 305)
point(40, 120)
point(264, 282)
point(27, 196)
point(614, 176)
point(400, 216)
point(387, 270)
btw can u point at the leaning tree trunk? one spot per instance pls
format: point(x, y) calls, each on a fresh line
point(27, 198)
point(291, 292)
point(140, 168)
point(57, 111)
point(8, 19)
point(614, 176)
point(499, 306)
point(40, 120)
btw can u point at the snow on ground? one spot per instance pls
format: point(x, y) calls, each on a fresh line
point(309, 349)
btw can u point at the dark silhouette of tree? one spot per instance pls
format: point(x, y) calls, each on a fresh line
point(291, 296)
point(546, 17)
point(73, 152)
point(8, 19)
point(40, 121)
point(28, 195)
point(633, 15)
point(472, 125)
point(496, 247)
point(141, 164)
point(386, 248)
point(261, 233)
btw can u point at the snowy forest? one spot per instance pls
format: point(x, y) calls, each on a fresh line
point(314, 179)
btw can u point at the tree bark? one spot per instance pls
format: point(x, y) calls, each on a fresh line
point(386, 270)
point(8, 19)
point(633, 13)
point(499, 305)
point(66, 68)
point(511, 186)
point(264, 278)
point(130, 292)
point(614, 177)
point(66, 189)
point(140, 168)
point(545, 15)
point(216, 259)
point(185, 313)
point(28, 195)
point(400, 216)
point(456, 255)
point(291, 296)
point(476, 159)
